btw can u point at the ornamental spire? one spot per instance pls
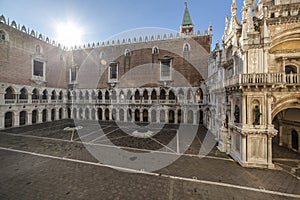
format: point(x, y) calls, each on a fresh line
point(187, 25)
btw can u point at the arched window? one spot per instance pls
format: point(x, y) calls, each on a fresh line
point(127, 52)
point(290, 69)
point(186, 47)
point(3, 35)
point(9, 93)
point(38, 49)
point(23, 94)
point(155, 50)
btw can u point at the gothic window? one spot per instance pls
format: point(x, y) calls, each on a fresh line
point(165, 69)
point(186, 48)
point(2, 35)
point(38, 70)
point(155, 50)
point(38, 49)
point(113, 72)
point(127, 53)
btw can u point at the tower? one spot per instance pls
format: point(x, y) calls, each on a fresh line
point(187, 25)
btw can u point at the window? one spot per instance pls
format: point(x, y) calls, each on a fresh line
point(38, 70)
point(155, 50)
point(113, 72)
point(165, 68)
point(73, 74)
point(2, 35)
point(38, 49)
point(186, 48)
point(290, 69)
point(127, 53)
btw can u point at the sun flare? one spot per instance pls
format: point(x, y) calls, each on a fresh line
point(69, 34)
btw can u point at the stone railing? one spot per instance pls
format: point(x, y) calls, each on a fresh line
point(144, 102)
point(270, 78)
point(263, 78)
point(232, 81)
point(32, 101)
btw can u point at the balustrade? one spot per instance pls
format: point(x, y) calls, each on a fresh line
point(264, 78)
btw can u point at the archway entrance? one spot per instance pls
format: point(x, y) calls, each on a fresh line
point(171, 117)
point(145, 115)
point(34, 117)
point(137, 115)
point(44, 115)
point(99, 114)
point(8, 119)
point(22, 117)
point(287, 122)
point(107, 114)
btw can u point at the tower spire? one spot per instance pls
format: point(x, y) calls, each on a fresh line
point(187, 25)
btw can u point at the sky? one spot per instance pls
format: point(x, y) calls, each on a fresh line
point(99, 20)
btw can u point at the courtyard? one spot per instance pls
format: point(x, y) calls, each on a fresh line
point(45, 161)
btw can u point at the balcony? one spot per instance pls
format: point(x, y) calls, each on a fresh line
point(270, 78)
point(263, 79)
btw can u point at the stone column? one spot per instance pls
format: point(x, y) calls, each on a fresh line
point(40, 116)
point(48, 115)
point(96, 115)
point(110, 115)
point(194, 118)
point(118, 114)
point(90, 113)
point(269, 109)
point(166, 116)
point(2, 119)
point(29, 98)
point(175, 117)
point(56, 117)
point(29, 118)
point(141, 116)
point(185, 116)
point(103, 115)
point(125, 115)
point(16, 119)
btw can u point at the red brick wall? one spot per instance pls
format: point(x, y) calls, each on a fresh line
point(16, 59)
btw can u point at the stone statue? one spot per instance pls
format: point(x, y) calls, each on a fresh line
point(257, 115)
point(237, 114)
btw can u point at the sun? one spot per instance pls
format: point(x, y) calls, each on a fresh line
point(69, 34)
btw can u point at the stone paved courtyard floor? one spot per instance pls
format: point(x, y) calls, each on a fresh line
point(42, 162)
